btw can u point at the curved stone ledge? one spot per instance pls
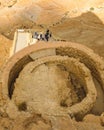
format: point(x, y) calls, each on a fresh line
point(72, 66)
point(85, 55)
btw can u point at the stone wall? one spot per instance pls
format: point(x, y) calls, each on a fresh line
point(92, 62)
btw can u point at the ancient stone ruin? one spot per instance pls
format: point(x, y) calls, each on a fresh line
point(54, 79)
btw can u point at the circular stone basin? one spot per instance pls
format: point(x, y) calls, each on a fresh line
point(55, 85)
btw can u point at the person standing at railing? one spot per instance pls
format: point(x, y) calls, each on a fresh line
point(47, 35)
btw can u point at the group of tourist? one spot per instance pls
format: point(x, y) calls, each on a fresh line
point(41, 36)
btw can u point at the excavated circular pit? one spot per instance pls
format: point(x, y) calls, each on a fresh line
point(54, 79)
point(48, 85)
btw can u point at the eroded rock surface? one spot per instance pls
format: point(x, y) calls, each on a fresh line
point(5, 45)
point(53, 86)
point(75, 21)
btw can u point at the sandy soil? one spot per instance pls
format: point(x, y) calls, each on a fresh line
point(76, 21)
point(5, 45)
